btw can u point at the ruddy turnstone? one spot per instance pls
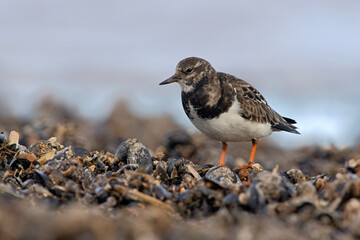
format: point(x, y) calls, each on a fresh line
point(224, 107)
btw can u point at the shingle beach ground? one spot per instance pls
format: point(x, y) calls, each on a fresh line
point(63, 177)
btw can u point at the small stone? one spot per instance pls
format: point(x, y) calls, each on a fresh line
point(222, 174)
point(295, 175)
point(305, 189)
point(319, 184)
point(2, 137)
point(243, 198)
point(257, 168)
point(271, 186)
point(132, 151)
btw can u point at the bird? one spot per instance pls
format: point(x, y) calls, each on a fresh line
point(226, 108)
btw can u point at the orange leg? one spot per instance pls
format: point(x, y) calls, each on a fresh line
point(252, 155)
point(224, 149)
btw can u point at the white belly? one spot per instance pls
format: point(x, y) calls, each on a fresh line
point(230, 126)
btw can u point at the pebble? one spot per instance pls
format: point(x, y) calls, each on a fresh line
point(222, 174)
point(3, 138)
point(132, 151)
point(295, 175)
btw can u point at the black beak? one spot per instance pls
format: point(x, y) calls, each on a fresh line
point(171, 79)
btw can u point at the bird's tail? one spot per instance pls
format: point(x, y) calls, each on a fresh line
point(286, 125)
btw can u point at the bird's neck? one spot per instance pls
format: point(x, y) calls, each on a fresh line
point(204, 92)
point(207, 98)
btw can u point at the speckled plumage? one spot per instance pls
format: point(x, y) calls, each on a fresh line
point(207, 94)
point(224, 107)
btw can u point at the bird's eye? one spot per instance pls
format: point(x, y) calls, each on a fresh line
point(188, 70)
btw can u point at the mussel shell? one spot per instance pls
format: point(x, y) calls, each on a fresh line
point(17, 162)
point(42, 178)
point(7, 157)
point(12, 147)
point(174, 162)
point(80, 152)
point(14, 181)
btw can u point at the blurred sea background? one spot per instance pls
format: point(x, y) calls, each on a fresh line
point(303, 56)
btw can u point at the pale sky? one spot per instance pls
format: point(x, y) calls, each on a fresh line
point(303, 56)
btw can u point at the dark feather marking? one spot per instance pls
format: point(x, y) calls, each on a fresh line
point(282, 127)
point(185, 103)
point(289, 120)
point(199, 97)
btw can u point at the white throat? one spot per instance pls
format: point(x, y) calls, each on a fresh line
point(186, 88)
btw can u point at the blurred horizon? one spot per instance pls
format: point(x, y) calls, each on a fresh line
point(304, 57)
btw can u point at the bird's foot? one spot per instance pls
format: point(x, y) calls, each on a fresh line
point(205, 168)
point(245, 166)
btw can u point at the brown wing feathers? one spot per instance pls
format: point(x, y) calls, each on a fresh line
point(255, 108)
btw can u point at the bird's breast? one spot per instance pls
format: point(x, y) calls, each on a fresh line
point(207, 103)
point(228, 126)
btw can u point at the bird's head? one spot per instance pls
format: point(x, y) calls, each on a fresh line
point(189, 72)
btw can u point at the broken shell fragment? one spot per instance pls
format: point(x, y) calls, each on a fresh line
point(14, 139)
